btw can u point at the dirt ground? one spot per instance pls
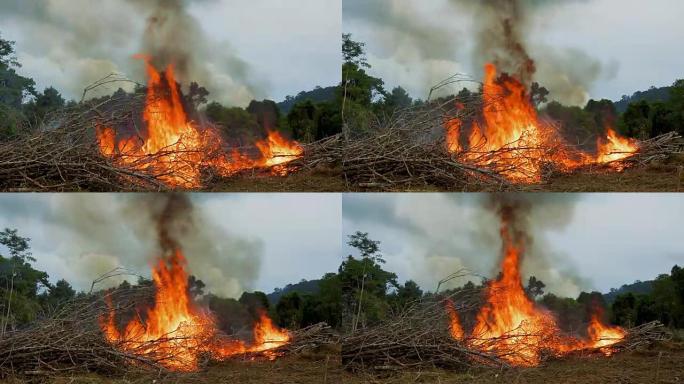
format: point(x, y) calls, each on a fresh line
point(660, 364)
point(665, 176)
point(318, 180)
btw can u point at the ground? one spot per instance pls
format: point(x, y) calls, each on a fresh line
point(664, 176)
point(657, 177)
point(318, 180)
point(662, 363)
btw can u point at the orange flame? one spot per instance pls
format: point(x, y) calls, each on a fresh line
point(512, 137)
point(176, 331)
point(176, 149)
point(513, 327)
point(601, 335)
point(613, 148)
point(455, 328)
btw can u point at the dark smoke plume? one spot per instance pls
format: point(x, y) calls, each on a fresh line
point(503, 29)
point(528, 218)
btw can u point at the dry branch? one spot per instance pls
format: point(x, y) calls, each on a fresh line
point(420, 339)
point(64, 155)
point(68, 340)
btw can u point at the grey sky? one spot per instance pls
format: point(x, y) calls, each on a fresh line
point(635, 43)
point(287, 46)
point(263, 241)
point(285, 237)
point(606, 240)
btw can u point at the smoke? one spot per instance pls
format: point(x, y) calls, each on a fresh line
point(420, 46)
point(530, 218)
point(503, 30)
point(411, 49)
point(80, 41)
point(96, 233)
point(444, 233)
point(173, 36)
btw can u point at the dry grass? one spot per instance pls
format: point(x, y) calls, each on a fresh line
point(660, 363)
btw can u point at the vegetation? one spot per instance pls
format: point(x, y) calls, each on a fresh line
point(307, 117)
point(361, 293)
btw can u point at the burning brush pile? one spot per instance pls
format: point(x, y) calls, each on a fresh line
point(496, 140)
point(498, 325)
point(144, 328)
point(98, 146)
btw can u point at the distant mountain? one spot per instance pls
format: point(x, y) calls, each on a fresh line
point(319, 94)
point(304, 286)
point(638, 287)
point(652, 94)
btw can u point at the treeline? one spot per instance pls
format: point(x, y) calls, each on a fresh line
point(644, 116)
point(361, 293)
point(307, 117)
point(664, 302)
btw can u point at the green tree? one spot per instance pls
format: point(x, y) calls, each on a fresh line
point(44, 103)
point(289, 310)
point(195, 286)
point(535, 288)
point(302, 121)
point(623, 309)
point(398, 98)
point(13, 90)
point(255, 303)
point(406, 295)
point(364, 283)
point(20, 283)
point(234, 123)
point(358, 89)
point(636, 121)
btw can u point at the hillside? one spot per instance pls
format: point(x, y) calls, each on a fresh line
point(638, 287)
point(652, 94)
point(318, 94)
point(304, 286)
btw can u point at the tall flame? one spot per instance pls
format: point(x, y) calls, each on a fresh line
point(512, 137)
point(176, 331)
point(515, 328)
point(176, 150)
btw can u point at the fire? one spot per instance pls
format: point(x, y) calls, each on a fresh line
point(514, 140)
point(601, 335)
point(455, 327)
point(177, 150)
point(513, 327)
point(613, 148)
point(176, 331)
